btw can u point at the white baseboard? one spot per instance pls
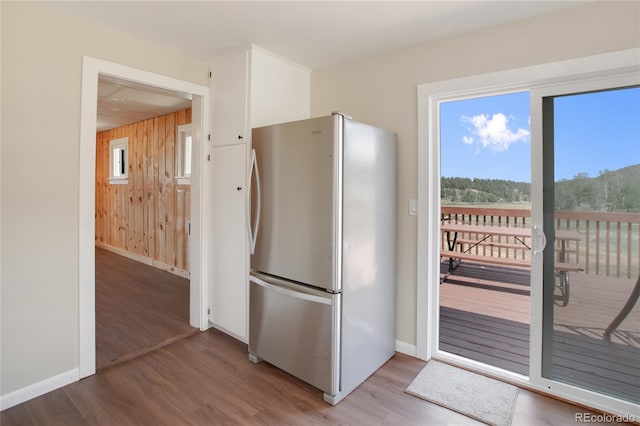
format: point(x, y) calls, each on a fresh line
point(35, 390)
point(406, 348)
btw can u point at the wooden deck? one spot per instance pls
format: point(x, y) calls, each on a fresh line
point(485, 316)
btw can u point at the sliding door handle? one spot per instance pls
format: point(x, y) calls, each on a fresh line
point(539, 240)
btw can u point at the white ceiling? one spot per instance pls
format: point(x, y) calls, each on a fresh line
point(122, 102)
point(315, 34)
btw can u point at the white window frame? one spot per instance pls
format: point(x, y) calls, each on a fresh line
point(182, 177)
point(533, 79)
point(115, 178)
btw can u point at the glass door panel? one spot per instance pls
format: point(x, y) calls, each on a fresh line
point(591, 203)
point(485, 245)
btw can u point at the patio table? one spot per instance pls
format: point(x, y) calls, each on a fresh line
point(519, 234)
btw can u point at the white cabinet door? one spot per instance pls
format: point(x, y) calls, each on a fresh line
point(230, 99)
point(230, 275)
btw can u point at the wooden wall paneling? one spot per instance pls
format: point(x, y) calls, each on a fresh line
point(181, 118)
point(154, 198)
point(187, 222)
point(116, 219)
point(131, 206)
point(148, 188)
point(107, 195)
point(170, 212)
point(123, 197)
point(149, 217)
point(98, 189)
point(106, 191)
point(161, 226)
point(118, 206)
point(103, 183)
point(130, 218)
point(180, 237)
point(139, 188)
point(131, 199)
point(109, 198)
point(109, 235)
point(133, 195)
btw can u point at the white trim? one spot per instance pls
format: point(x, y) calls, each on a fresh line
point(40, 388)
point(118, 181)
point(91, 69)
point(181, 177)
point(549, 75)
point(406, 348)
point(570, 86)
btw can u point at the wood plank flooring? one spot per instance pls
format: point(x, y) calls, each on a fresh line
point(138, 308)
point(597, 364)
point(592, 363)
point(490, 340)
point(484, 316)
point(206, 379)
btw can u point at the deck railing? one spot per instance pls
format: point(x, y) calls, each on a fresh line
point(609, 244)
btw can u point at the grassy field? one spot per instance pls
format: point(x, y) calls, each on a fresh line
point(519, 206)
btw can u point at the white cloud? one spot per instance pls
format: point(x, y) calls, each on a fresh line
point(493, 132)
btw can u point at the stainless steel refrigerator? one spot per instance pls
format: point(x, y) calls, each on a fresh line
point(323, 242)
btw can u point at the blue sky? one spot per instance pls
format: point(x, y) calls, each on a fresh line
point(489, 137)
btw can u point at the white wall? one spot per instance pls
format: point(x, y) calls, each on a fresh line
point(381, 90)
point(280, 89)
point(41, 86)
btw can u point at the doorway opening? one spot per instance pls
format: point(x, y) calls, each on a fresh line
point(142, 219)
point(93, 69)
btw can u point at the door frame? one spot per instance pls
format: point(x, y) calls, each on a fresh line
point(574, 86)
point(427, 286)
point(92, 68)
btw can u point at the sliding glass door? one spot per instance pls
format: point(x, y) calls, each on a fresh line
point(589, 194)
point(592, 215)
point(578, 242)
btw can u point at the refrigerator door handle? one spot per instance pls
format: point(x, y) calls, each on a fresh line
point(253, 230)
point(290, 293)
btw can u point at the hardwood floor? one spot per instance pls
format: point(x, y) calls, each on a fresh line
point(138, 308)
point(206, 379)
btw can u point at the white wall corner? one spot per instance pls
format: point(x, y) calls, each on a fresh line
point(40, 388)
point(256, 48)
point(406, 348)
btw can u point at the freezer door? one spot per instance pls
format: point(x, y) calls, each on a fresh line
point(296, 329)
point(300, 200)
